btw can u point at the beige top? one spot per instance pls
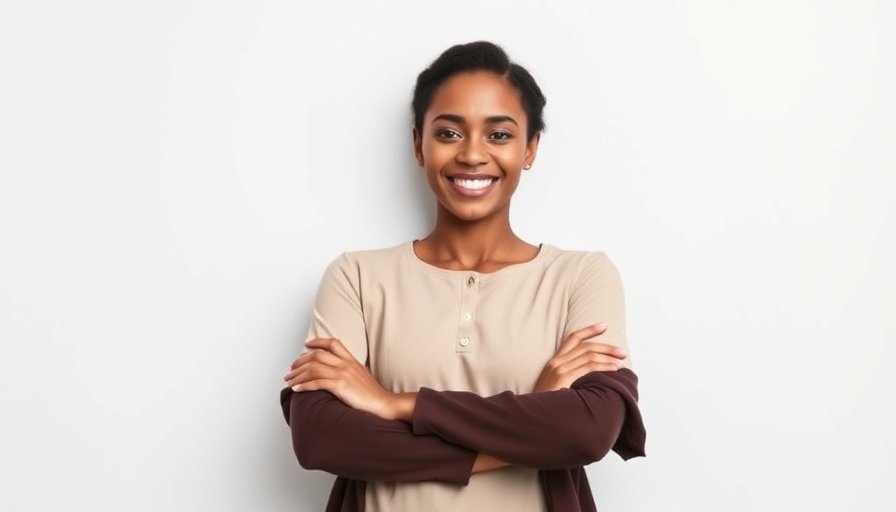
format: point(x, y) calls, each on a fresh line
point(418, 325)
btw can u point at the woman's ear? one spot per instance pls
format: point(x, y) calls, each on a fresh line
point(418, 147)
point(531, 150)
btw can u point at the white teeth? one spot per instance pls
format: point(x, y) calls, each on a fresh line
point(473, 184)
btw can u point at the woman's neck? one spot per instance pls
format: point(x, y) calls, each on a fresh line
point(485, 245)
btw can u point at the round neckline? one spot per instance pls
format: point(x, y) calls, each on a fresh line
point(543, 250)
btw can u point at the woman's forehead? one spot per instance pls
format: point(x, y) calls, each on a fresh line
point(476, 94)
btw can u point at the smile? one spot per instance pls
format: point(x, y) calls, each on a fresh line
point(472, 186)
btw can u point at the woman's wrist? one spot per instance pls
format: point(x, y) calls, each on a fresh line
point(401, 406)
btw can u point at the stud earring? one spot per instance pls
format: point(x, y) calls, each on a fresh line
point(527, 166)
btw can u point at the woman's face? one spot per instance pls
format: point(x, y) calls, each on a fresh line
point(473, 145)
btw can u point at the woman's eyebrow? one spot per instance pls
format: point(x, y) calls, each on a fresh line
point(454, 118)
point(500, 119)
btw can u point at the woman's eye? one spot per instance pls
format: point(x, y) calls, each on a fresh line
point(447, 134)
point(501, 136)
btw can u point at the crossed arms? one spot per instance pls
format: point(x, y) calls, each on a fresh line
point(343, 422)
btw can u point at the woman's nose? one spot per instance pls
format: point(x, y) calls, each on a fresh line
point(472, 152)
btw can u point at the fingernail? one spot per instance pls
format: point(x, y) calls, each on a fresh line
point(623, 353)
point(297, 387)
point(601, 325)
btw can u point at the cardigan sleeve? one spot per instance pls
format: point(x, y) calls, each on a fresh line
point(554, 430)
point(331, 436)
point(560, 429)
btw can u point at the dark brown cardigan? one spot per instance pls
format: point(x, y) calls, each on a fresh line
point(557, 432)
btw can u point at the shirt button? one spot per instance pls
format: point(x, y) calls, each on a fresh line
point(467, 317)
point(464, 342)
point(470, 282)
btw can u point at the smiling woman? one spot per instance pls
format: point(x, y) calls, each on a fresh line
point(467, 370)
point(473, 147)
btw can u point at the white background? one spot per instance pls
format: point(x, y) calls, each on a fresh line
point(177, 174)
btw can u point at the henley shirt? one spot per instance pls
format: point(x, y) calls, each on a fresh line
point(472, 345)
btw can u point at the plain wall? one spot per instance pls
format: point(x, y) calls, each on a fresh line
point(176, 176)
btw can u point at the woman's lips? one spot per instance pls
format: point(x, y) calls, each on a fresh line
point(472, 186)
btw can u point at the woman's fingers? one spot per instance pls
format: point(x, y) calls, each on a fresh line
point(562, 376)
point(312, 371)
point(586, 368)
point(602, 348)
point(593, 362)
point(331, 345)
point(616, 354)
point(578, 356)
point(586, 358)
point(316, 385)
point(313, 356)
point(326, 351)
point(329, 365)
point(591, 347)
point(577, 337)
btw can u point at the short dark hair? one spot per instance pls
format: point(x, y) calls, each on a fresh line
point(479, 56)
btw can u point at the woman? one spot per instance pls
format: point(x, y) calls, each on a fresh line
point(469, 370)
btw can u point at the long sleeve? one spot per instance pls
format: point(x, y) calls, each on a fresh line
point(556, 430)
point(331, 436)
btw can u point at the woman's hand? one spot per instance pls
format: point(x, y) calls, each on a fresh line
point(329, 366)
point(576, 357)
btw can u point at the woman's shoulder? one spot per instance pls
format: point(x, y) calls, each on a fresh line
point(584, 269)
point(576, 257)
